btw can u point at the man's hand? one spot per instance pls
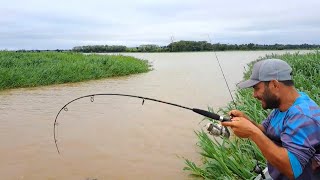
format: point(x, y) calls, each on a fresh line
point(237, 113)
point(241, 127)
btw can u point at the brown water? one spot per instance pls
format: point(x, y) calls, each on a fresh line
point(116, 137)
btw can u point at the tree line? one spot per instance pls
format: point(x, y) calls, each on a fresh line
point(183, 46)
point(187, 46)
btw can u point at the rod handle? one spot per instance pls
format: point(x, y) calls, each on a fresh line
point(210, 115)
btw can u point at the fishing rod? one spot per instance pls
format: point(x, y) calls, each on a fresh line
point(210, 127)
point(213, 128)
point(196, 110)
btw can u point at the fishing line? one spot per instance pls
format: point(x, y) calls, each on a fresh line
point(257, 169)
point(196, 110)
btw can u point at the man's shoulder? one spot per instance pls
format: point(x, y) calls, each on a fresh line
point(306, 108)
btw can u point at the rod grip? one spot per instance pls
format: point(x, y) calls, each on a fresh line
point(210, 115)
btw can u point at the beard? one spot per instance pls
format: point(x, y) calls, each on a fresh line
point(271, 101)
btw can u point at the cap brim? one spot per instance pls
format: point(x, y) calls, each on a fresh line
point(247, 83)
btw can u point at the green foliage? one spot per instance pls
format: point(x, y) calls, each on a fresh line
point(233, 158)
point(189, 46)
point(99, 49)
point(183, 46)
point(28, 69)
point(180, 46)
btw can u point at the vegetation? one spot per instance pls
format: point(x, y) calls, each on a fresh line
point(99, 49)
point(187, 46)
point(182, 46)
point(28, 69)
point(233, 158)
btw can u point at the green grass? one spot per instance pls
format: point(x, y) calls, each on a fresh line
point(29, 69)
point(233, 158)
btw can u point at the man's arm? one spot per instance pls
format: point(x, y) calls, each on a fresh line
point(275, 155)
point(259, 126)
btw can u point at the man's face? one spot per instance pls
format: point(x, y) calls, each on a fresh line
point(263, 93)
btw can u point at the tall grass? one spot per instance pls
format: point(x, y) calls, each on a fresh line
point(233, 158)
point(28, 69)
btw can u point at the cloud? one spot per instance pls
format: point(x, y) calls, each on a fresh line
point(43, 24)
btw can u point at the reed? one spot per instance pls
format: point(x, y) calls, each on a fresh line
point(233, 158)
point(29, 69)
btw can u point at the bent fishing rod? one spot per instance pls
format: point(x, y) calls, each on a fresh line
point(196, 110)
point(257, 168)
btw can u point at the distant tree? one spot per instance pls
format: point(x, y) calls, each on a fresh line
point(184, 46)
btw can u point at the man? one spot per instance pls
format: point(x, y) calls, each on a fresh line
point(289, 138)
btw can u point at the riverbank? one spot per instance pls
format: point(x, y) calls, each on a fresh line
point(234, 159)
point(30, 69)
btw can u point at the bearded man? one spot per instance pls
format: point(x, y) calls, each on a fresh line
point(289, 138)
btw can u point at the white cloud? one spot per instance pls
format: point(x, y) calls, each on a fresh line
point(41, 24)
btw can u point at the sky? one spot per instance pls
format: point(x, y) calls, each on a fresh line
point(57, 24)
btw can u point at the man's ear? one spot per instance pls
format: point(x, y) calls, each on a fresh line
point(274, 84)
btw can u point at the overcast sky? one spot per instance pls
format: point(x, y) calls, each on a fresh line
point(57, 24)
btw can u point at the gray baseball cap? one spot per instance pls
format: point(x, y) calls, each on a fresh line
point(267, 70)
